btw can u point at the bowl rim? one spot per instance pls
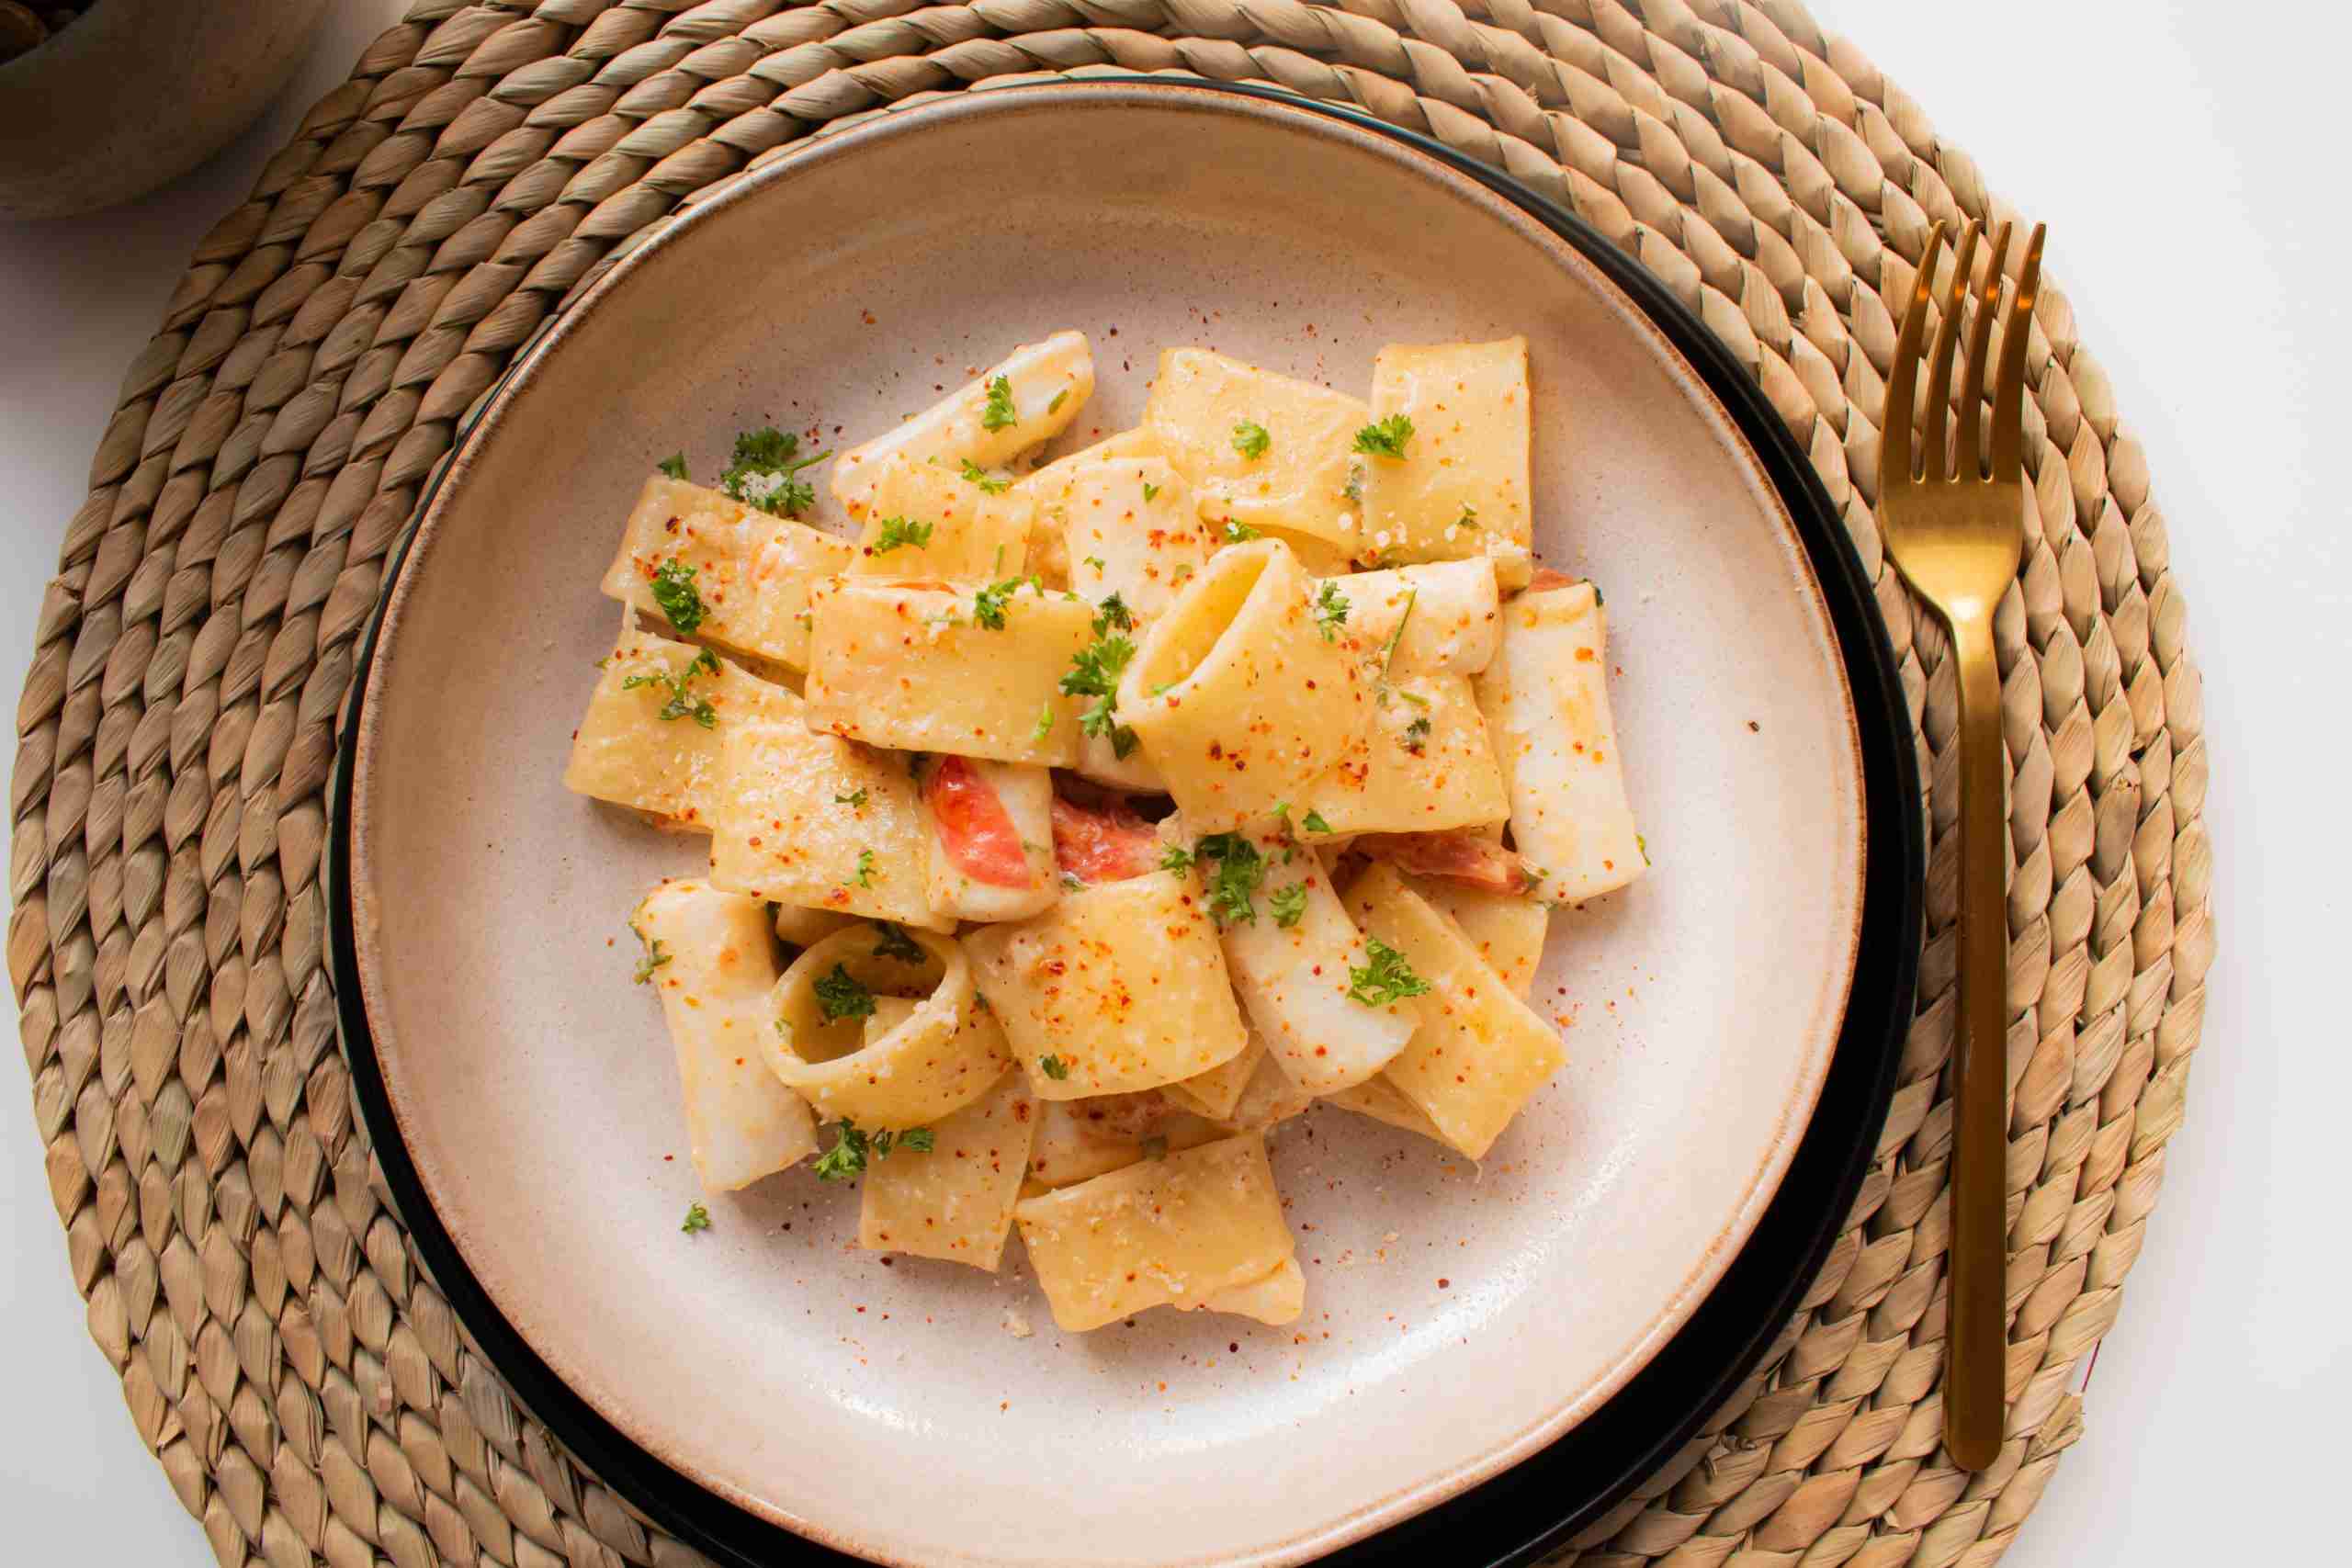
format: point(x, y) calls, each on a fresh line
point(1519, 1509)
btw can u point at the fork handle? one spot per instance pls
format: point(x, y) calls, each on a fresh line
point(1977, 1349)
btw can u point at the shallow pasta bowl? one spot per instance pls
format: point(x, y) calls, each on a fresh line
point(1570, 1309)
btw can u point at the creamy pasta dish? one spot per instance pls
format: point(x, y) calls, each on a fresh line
point(1081, 821)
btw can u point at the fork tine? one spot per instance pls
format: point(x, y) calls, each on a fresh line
point(2009, 389)
point(1903, 377)
point(1969, 463)
point(1931, 433)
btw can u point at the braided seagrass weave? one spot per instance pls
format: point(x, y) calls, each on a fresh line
point(309, 1392)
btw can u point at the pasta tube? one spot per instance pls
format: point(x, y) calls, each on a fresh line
point(742, 575)
point(954, 1201)
point(1547, 703)
point(938, 1060)
point(1458, 485)
point(1263, 450)
point(653, 733)
point(1174, 1232)
point(1480, 1053)
point(926, 522)
point(709, 956)
point(1293, 977)
point(931, 668)
point(1026, 398)
point(1119, 987)
point(807, 819)
point(1247, 689)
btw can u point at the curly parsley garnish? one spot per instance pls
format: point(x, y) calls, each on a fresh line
point(697, 1219)
point(771, 454)
point(999, 412)
point(991, 483)
point(674, 464)
point(655, 956)
point(1234, 885)
point(1417, 734)
point(1313, 822)
point(1249, 439)
point(1289, 904)
point(1053, 1067)
point(1240, 532)
point(674, 592)
point(1059, 398)
point(988, 604)
point(1149, 489)
point(1176, 858)
point(1094, 672)
point(1044, 725)
point(897, 531)
point(1330, 610)
point(866, 868)
point(854, 800)
point(1386, 438)
point(1387, 978)
point(841, 995)
point(682, 704)
point(854, 1147)
point(892, 942)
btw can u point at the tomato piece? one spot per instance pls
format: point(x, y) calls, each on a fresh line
point(1462, 855)
point(1103, 843)
point(974, 828)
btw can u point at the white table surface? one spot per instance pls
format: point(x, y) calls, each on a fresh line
point(2200, 228)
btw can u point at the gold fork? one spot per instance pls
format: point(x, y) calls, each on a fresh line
point(1956, 530)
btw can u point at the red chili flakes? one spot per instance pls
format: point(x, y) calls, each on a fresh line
point(1441, 1284)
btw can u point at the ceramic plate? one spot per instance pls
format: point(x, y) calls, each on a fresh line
point(1460, 1319)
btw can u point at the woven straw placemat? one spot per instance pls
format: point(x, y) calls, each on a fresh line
point(308, 1392)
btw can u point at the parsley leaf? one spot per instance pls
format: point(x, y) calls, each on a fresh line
point(1249, 439)
point(1053, 1067)
point(1096, 563)
point(1056, 406)
point(1113, 612)
point(846, 1158)
point(1177, 858)
point(840, 995)
point(1313, 822)
point(999, 412)
point(682, 704)
point(1417, 734)
point(674, 464)
point(1044, 721)
point(986, 480)
point(771, 454)
point(892, 942)
point(1240, 532)
point(854, 800)
point(1354, 489)
point(1149, 489)
point(1386, 438)
point(1387, 978)
point(1233, 884)
point(1330, 610)
point(897, 531)
point(988, 604)
point(920, 1139)
point(866, 868)
point(674, 592)
point(1289, 904)
point(697, 1219)
point(655, 956)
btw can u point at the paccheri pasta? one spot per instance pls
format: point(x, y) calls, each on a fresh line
point(1074, 825)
